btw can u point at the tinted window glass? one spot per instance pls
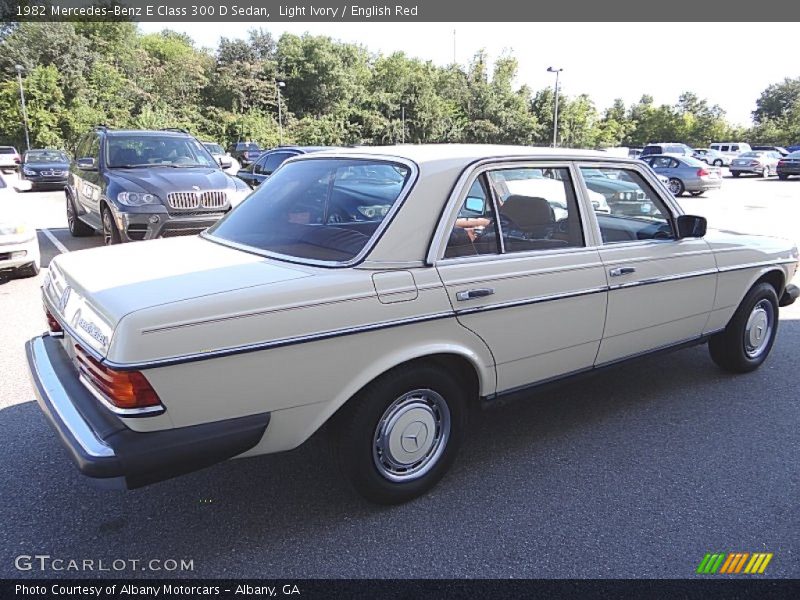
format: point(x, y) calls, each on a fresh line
point(537, 209)
point(636, 211)
point(157, 150)
point(323, 209)
point(45, 156)
point(272, 162)
point(473, 232)
point(7, 150)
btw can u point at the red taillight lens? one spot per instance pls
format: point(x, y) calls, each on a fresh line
point(52, 323)
point(16, 159)
point(702, 173)
point(123, 389)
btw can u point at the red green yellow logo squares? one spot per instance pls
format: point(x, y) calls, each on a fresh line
point(734, 563)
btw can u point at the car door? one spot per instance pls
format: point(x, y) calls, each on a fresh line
point(524, 276)
point(661, 288)
point(88, 189)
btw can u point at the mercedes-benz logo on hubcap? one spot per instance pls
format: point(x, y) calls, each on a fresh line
point(414, 436)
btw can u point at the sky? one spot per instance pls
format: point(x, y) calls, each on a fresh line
point(604, 60)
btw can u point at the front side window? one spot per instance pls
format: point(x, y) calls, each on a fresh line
point(135, 151)
point(636, 212)
point(472, 234)
point(318, 209)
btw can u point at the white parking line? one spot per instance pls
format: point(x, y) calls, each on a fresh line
point(61, 247)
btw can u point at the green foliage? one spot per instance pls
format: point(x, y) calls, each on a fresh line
point(77, 75)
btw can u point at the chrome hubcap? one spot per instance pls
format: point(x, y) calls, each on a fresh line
point(758, 330)
point(674, 186)
point(411, 435)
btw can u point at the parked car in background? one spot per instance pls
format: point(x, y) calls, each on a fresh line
point(788, 165)
point(795, 148)
point(730, 149)
point(245, 152)
point(19, 245)
point(622, 196)
point(686, 174)
point(139, 185)
point(712, 157)
point(779, 149)
point(755, 163)
point(667, 148)
point(45, 168)
point(270, 160)
point(346, 291)
point(9, 159)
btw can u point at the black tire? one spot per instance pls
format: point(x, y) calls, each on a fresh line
point(783, 176)
point(358, 428)
point(676, 186)
point(29, 270)
point(77, 228)
point(696, 194)
point(717, 163)
point(735, 173)
point(110, 232)
point(765, 172)
point(732, 349)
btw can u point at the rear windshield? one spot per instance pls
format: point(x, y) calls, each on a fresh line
point(316, 209)
point(651, 150)
point(7, 150)
point(249, 147)
point(752, 154)
point(692, 162)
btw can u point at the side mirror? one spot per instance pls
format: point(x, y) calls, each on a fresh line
point(87, 164)
point(691, 226)
point(225, 162)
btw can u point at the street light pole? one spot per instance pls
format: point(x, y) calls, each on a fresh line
point(278, 86)
point(19, 69)
point(555, 111)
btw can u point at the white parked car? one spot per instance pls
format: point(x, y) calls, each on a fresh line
point(229, 164)
point(19, 245)
point(353, 288)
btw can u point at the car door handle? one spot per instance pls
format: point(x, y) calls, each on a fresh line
point(619, 271)
point(472, 294)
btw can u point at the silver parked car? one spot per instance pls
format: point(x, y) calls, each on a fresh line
point(712, 157)
point(686, 174)
point(764, 163)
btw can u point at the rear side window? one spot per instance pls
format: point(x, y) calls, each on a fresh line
point(272, 162)
point(735, 148)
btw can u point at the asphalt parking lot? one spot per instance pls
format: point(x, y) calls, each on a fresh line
point(635, 472)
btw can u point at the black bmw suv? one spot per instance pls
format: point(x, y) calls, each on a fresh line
point(139, 185)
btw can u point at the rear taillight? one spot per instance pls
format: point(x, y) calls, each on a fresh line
point(702, 173)
point(123, 389)
point(52, 323)
point(17, 159)
point(755, 163)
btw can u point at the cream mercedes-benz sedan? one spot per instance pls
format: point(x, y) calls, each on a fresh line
point(385, 292)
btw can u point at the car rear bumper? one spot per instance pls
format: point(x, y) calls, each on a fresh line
point(19, 254)
point(746, 169)
point(702, 185)
point(792, 170)
point(105, 449)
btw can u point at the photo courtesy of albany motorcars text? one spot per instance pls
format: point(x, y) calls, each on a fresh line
point(386, 291)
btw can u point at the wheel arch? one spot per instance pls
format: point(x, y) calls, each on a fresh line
point(775, 277)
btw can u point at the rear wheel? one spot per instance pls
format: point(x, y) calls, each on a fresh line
point(717, 163)
point(77, 228)
point(396, 439)
point(735, 173)
point(747, 340)
point(110, 232)
point(676, 186)
point(783, 176)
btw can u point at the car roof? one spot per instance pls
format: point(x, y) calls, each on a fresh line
point(469, 153)
point(302, 148)
point(145, 132)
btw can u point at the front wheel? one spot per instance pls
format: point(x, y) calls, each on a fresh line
point(110, 232)
point(77, 228)
point(747, 340)
point(676, 186)
point(783, 176)
point(718, 163)
point(396, 439)
point(735, 173)
point(765, 172)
